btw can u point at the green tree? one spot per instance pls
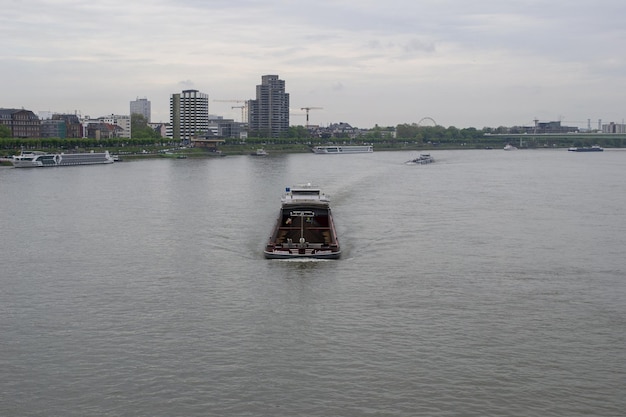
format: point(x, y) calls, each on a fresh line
point(5, 132)
point(296, 132)
point(139, 128)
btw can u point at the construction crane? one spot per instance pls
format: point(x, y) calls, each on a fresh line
point(231, 101)
point(242, 111)
point(307, 112)
point(243, 108)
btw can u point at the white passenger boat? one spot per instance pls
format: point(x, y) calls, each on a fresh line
point(37, 159)
point(336, 149)
point(304, 227)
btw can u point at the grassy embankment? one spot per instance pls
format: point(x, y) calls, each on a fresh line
point(139, 149)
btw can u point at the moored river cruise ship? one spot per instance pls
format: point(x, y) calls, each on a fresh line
point(336, 149)
point(42, 159)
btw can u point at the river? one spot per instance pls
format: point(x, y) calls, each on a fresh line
point(488, 283)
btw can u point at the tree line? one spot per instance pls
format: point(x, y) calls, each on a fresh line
point(145, 136)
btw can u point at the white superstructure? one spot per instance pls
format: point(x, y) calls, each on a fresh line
point(43, 159)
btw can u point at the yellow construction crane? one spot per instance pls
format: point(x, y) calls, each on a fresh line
point(307, 112)
point(242, 111)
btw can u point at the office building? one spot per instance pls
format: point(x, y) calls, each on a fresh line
point(141, 106)
point(614, 128)
point(189, 115)
point(268, 115)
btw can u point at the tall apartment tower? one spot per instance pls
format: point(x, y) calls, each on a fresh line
point(189, 114)
point(141, 106)
point(268, 115)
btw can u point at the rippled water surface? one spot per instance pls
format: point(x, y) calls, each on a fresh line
point(489, 283)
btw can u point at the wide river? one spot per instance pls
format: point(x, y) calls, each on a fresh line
point(488, 283)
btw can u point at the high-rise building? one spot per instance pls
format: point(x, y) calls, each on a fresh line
point(189, 115)
point(141, 106)
point(268, 115)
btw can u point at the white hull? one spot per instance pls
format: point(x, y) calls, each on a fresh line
point(41, 159)
point(342, 149)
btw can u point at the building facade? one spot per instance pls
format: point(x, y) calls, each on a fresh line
point(22, 123)
point(161, 128)
point(121, 121)
point(268, 115)
point(102, 130)
point(73, 126)
point(141, 106)
point(614, 128)
point(189, 115)
point(51, 128)
point(224, 128)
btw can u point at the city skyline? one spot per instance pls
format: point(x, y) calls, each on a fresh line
point(464, 64)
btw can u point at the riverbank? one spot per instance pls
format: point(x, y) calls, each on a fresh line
point(156, 151)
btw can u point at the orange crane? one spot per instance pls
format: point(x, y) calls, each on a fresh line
point(307, 112)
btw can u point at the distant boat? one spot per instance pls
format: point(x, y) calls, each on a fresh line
point(343, 149)
point(259, 152)
point(594, 148)
point(42, 159)
point(423, 158)
point(509, 147)
point(304, 227)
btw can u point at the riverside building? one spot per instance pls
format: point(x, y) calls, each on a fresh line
point(141, 106)
point(189, 115)
point(268, 115)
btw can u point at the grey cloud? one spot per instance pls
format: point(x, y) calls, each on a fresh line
point(416, 45)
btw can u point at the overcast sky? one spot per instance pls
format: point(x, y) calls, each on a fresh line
point(463, 63)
